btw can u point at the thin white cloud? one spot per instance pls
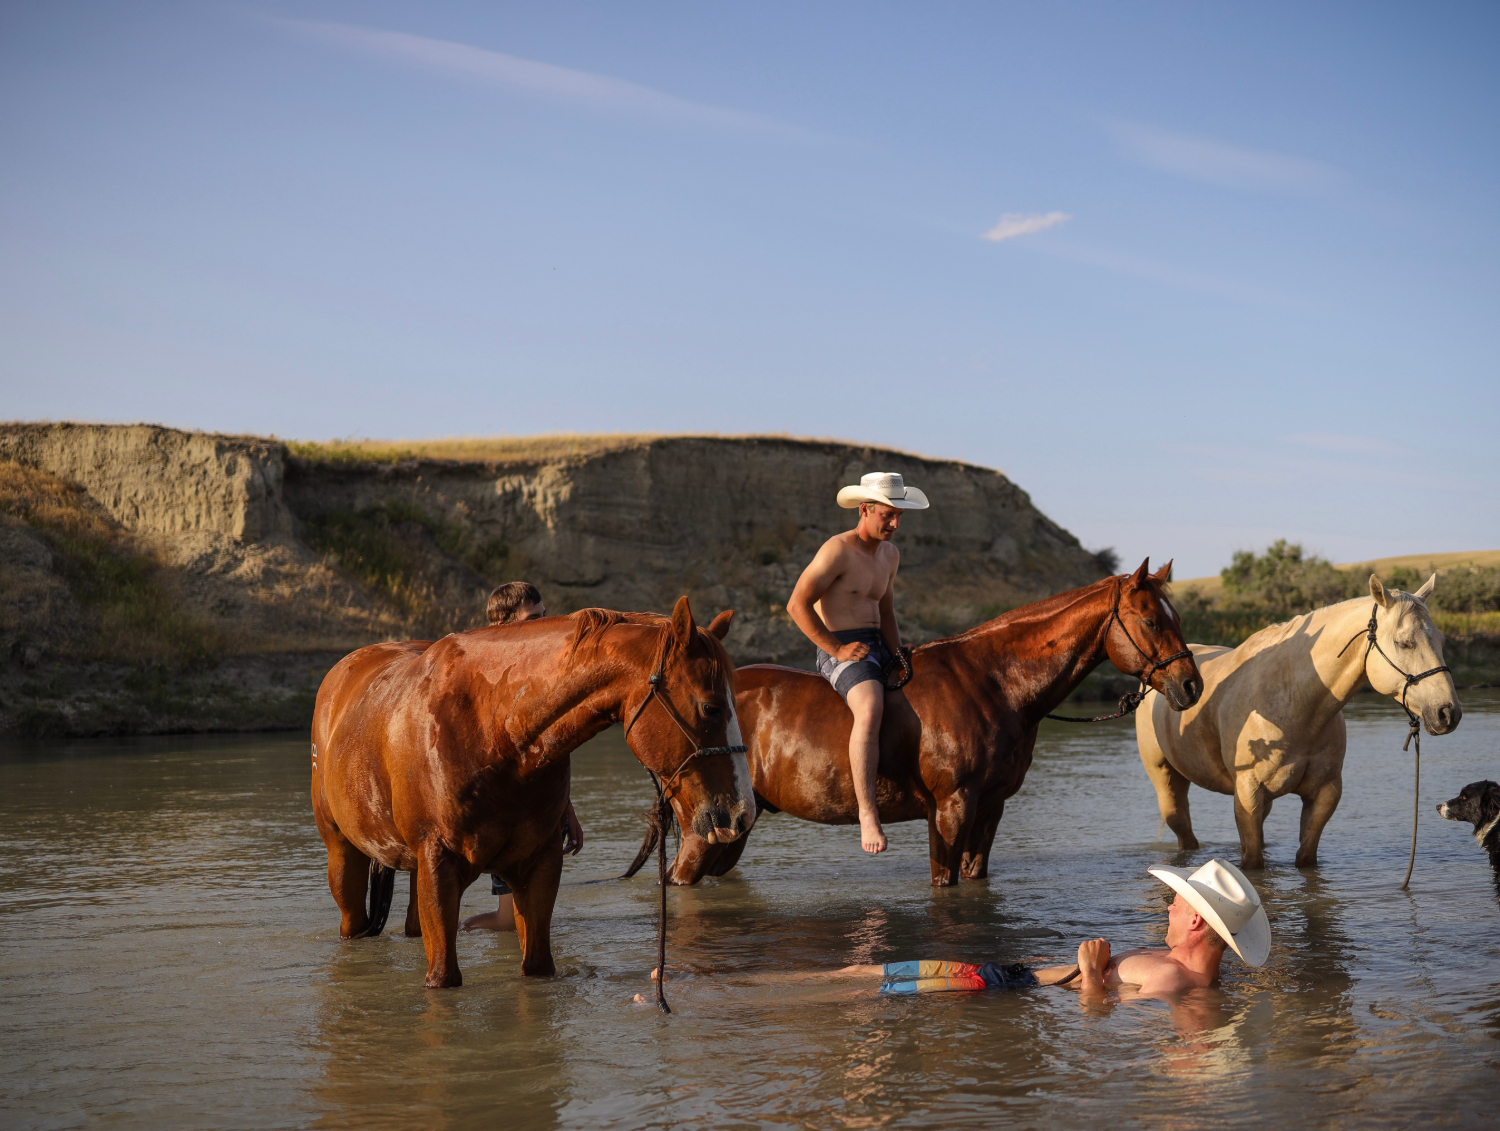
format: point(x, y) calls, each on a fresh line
point(495, 68)
point(1014, 224)
point(1218, 163)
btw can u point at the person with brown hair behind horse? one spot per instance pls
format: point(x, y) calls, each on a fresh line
point(514, 603)
point(845, 603)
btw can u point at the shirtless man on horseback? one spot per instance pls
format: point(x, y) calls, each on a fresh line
point(845, 603)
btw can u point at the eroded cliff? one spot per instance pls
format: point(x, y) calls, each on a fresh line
point(263, 553)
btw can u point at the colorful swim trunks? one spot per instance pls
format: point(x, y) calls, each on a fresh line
point(850, 673)
point(927, 977)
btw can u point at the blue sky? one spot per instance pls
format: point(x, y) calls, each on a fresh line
point(1197, 276)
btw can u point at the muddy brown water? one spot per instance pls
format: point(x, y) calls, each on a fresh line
point(169, 958)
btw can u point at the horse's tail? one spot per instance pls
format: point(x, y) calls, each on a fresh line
point(648, 844)
point(382, 889)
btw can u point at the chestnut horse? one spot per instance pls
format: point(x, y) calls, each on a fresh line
point(451, 759)
point(964, 743)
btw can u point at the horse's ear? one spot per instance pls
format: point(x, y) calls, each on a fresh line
point(1140, 574)
point(1377, 591)
point(1165, 573)
point(1427, 587)
point(719, 626)
point(683, 627)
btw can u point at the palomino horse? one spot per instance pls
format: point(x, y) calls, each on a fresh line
point(451, 760)
point(964, 743)
point(1271, 720)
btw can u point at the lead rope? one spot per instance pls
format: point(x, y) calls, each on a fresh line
point(1416, 786)
point(1415, 723)
point(661, 821)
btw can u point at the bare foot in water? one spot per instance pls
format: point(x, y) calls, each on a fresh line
point(871, 835)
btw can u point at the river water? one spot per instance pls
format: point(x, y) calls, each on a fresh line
point(169, 958)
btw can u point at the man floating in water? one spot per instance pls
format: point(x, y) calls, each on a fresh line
point(845, 603)
point(1216, 908)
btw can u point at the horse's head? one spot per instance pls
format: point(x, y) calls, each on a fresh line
point(1152, 633)
point(1412, 646)
point(681, 730)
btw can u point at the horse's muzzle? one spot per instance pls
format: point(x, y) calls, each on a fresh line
point(717, 825)
point(1183, 693)
point(1443, 719)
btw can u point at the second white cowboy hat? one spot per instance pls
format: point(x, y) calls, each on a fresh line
point(885, 488)
point(1220, 893)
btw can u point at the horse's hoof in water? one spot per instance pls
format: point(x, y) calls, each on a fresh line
point(444, 981)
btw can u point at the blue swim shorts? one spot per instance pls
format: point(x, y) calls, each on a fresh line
point(928, 977)
point(846, 675)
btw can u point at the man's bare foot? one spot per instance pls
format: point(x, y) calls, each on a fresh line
point(503, 918)
point(871, 835)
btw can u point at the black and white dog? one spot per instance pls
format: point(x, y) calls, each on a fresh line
point(1479, 804)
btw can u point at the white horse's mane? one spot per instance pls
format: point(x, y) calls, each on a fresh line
point(1281, 630)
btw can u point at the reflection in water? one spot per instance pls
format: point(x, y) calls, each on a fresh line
point(168, 956)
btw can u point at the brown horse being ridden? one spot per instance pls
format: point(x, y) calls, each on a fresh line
point(451, 759)
point(964, 743)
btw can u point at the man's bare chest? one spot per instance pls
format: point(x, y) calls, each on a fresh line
point(864, 575)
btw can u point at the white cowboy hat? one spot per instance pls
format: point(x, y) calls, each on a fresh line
point(1220, 893)
point(885, 488)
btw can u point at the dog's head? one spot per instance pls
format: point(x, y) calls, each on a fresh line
point(1478, 803)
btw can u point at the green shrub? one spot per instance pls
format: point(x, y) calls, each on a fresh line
point(1282, 582)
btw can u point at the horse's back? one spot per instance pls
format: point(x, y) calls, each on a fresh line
point(346, 683)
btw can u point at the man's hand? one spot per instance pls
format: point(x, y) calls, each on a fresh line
point(572, 832)
point(1093, 960)
point(855, 650)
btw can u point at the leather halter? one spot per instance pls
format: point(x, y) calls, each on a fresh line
point(698, 751)
point(1128, 703)
point(1411, 680)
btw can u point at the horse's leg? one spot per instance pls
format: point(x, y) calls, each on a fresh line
point(728, 856)
point(535, 896)
point(413, 919)
point(695, 859)
point(348, 880)
point(1317, 808)
point(1252, 804)
point(1171, 787)
point(947, 832)
point(440, 886)
point(976, 862)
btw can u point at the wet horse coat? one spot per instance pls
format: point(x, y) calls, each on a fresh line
point(451, 759)
point(956, 743)
point(1271, 719)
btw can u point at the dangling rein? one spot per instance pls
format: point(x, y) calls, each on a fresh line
point(661, 816)
point(1128, 703)
point(1416, 726)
